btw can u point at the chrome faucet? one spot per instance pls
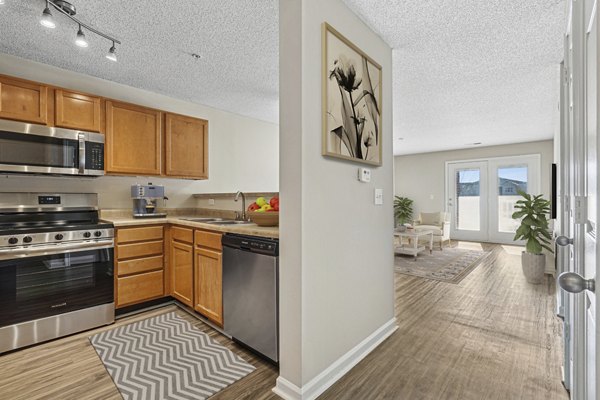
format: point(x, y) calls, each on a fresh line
point(237, 197)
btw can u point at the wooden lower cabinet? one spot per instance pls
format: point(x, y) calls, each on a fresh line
point(209, 284)
point(140, 274)
point(194, 274)
point(182, 265)
point(140, 287)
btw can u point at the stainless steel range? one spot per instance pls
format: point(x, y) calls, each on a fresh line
point(56, 267)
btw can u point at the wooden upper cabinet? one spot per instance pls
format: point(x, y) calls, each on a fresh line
point(23, 100)
point(76, 111)
point(186, 147)
point(133, 139)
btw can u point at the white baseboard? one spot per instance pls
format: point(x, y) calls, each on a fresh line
point(316, 386)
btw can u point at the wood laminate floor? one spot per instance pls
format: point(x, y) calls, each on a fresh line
point(492, 336)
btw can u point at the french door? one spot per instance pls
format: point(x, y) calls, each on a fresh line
point(578, 251)
point(482, 194)
point(467, 200)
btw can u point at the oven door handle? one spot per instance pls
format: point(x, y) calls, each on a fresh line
point(36, 251)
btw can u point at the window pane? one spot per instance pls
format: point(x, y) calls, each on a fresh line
point(467, 199)
point(510, 180)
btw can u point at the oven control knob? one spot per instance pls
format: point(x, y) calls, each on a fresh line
point(58, 236)
point(13, 240)
point(27, 239)
point(98, 233)
point(86, 234)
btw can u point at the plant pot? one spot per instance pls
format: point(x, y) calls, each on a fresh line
point(533, 266)
point(402, 228)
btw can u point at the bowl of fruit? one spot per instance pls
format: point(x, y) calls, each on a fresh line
point(263, 212)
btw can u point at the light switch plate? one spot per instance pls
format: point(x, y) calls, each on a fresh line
point(364, 175)
point(211, 202)
point(378, 197)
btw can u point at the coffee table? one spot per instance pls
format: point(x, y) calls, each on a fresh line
point(413, 248)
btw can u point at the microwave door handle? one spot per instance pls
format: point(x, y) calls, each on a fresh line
point(81, 137)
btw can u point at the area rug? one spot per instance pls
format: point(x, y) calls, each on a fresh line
point(449, 265)
point(166, 357)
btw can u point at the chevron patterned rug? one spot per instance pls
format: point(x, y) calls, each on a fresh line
point(166, 357)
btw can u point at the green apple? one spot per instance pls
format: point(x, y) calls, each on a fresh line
point(261, 201)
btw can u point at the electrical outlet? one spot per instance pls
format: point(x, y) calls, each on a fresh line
point(211, 202)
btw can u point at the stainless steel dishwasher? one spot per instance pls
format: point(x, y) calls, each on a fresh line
point(251, 292)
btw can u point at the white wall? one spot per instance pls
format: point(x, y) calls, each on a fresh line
point(243, 152)
point(420, 177)
point(336, 265)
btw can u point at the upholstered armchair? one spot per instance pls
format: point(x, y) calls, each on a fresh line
point(438, 222)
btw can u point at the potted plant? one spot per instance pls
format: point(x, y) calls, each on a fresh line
point(403, 211)
point(533, 211)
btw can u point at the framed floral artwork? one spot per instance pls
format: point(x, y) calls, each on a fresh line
point(351, 101)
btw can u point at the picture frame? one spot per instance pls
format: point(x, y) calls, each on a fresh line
point(351, 101)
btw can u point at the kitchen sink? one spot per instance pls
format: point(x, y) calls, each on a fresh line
point(205, 219)
point(229, 222)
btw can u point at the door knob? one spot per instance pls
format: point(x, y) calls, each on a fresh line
point(575, 283)
point(563, 241)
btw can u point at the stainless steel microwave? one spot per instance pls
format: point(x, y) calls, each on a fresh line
point(39, 149)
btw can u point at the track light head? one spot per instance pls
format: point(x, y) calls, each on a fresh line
point(112, 53)
point(80, 40)
point(47, 19)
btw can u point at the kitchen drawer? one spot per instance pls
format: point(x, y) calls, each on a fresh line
point(182, 234)
point(212, 240)
point(126, 235)
point(138, 288)
point(138, 265)
point(143, 249)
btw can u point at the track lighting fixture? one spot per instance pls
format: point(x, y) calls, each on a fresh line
point(80, 40)
point(46, 19)
point(112, 53)
point(68, 10)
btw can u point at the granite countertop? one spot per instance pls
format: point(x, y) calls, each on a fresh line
point(246, 229)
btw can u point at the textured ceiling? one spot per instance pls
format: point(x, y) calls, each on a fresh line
point(237, 39)
point(470, 71)
point(464, 70)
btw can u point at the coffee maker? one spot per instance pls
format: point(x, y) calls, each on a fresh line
point(145, 199)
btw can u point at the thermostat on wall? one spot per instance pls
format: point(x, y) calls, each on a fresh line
point(364, 174)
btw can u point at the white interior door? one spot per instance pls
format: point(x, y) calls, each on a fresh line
point(589, 190)
point(582, 336)
point(564, 255)
point(467, 200)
